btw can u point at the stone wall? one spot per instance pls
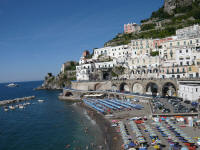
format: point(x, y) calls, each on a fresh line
point(85, 86)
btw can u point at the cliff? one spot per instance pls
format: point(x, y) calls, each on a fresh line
point(63, 79)
point(171, 5)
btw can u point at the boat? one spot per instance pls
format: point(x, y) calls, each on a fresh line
point(6, 108)
point(12, 85)
point(21, 106)
point(12, 107)
point(40, 100)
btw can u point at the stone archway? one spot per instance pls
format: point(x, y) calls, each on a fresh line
point(114, 88)
point(124, 87)
point(152, 89)
point(169, 89)
point(137, 88)
point(68, 94)
point(106, 76)
point(97, 86)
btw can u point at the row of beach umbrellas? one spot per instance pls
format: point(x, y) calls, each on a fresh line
point(178, 130)
point(137, 132)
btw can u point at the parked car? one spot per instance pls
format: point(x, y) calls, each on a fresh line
point(187, 102)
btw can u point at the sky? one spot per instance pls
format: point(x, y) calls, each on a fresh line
point(38, 36)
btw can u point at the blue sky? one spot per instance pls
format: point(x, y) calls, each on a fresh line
point(38, 36)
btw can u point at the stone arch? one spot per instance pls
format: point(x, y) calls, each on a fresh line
point(169, 89)
point(152, 88)
point(124, 87)
point(106, 76)
point(114, 87)
point(97, 86)
point(155, 70)
point(137, 88)
point(68, 94)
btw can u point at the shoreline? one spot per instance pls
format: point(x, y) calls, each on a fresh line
point(113, 140)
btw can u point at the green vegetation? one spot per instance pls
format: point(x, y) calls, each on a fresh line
point(114, 74)
point(148, 26)
point(154, 53)
point(182, 17)
point(118, 70)
point(126, 38)
point(49, 74)
point(72, 66)
point(160, 14)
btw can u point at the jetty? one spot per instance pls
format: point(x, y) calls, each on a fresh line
point(16, 100)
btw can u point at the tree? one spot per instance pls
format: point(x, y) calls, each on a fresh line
point(50, 74)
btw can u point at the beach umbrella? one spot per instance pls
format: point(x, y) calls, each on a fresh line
point(131, 144)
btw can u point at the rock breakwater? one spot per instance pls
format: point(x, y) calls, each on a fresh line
point(16, 100)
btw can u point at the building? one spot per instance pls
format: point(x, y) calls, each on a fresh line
point(189, 91)
point(172, 57)
point(131, 28)
point(188, 32)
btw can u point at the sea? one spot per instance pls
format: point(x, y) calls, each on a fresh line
point(51, 125)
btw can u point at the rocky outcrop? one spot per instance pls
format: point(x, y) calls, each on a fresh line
point(52, 82)
point(170, 5)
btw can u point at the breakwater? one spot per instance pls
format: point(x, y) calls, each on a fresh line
point(16, 100)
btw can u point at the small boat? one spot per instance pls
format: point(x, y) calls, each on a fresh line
point(12, 85)
point(40, 100)
point(6, 108)
point(12, 107)
point(21, 106)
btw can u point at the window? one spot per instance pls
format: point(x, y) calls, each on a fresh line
point(190, 69)
point(180, 51)
point(172, 70)
point(190, 41)
point(171, 53)
point(178, 43)
point(197, 41)
point(188, 63)
point(196, 89)
point(183, 69)
point(177, 70)
point(184, 42)
point(186, 50)
point(171, 44)
point(181, 63)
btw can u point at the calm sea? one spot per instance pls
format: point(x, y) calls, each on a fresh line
point(50, 125)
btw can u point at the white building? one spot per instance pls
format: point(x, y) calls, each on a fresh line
point(188, 32)
point(83, 71)
point(113, 52)
point(189, 91)
point(105, 65)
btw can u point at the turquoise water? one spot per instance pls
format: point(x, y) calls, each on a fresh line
point(44, 126)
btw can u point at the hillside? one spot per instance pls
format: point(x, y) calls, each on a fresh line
point(173, 15)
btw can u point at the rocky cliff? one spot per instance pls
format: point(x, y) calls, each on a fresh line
point(170, 5)
point(63, 79)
